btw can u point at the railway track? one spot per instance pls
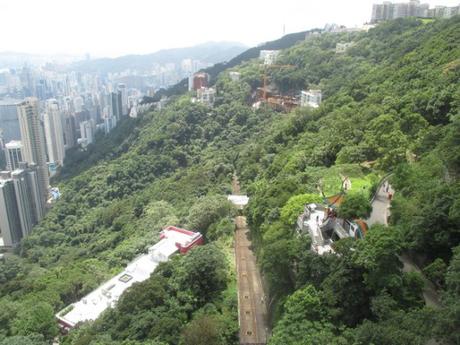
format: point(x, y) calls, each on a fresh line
point(251, 298)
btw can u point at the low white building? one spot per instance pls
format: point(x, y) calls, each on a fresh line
point(310, 98)
point(324, 227)
point(269, 56)
point(238, 200)
point(206, 96)
point(234, 76)
point(91, 306)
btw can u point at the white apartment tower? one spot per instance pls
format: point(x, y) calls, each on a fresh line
point(87, 130)
point(33, 142)
point(54, 133)
point(10, 224)
point(13, 152)
point(24, 201)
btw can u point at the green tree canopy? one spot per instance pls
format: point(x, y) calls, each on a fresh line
point(295, 205)
point(355, 205)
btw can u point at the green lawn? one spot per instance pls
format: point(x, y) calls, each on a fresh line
point(332, 179)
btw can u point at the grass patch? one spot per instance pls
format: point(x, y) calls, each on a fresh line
point(331, 179)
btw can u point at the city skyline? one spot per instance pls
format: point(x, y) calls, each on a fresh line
point(98, 27)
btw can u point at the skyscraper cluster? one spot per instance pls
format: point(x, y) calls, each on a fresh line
point(21, 206)
point(389, 10)
point(24, 187)
point(47, 110)
point(35, 132)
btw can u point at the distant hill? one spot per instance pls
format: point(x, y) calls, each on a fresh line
point(210, 52)
point(284, 42)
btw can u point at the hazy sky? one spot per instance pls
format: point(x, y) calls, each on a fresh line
point(117, 27)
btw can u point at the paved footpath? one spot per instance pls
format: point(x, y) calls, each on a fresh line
point(381, 206)
point(379, 215)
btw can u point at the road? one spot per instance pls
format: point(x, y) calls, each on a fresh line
point(379, 215)
point(252, 308)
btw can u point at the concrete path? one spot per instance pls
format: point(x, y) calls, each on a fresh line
point(430, 295)
point(379, 215)
point(381, 205)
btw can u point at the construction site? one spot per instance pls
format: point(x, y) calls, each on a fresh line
point(269, 94)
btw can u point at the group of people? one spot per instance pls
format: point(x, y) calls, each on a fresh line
point(386, 188)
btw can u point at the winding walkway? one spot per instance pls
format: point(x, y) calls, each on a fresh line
point(379, 215)
point(381, 205)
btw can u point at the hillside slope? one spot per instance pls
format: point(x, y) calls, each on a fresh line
point(284, 42)
point(391, 102)
point(211, 52)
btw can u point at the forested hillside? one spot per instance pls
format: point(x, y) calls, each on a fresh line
point(391, 106)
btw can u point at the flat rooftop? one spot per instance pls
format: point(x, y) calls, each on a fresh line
point(105, 296)
point(238, 200)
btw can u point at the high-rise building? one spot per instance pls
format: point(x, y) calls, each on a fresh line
point(78, 104)
point(109, 124)
point(34, 143)
point(116, 105)
point(10, 224)
point(34, 191)
point(388, 10)
point(124, 98)
point(13, 153)
point(9, 123)
point(23, 200)
point(27, 81)
point(20, 204)
point(87, 129)
point(70, 132)
point(54, 133)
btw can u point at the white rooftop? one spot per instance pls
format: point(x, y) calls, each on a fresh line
point(14, 144)
point(324, 249)
point(314, 222)
point(238, 200)
point(105, 296)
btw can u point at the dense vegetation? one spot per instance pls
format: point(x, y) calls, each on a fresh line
point(392, 102)
point(391, 106)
